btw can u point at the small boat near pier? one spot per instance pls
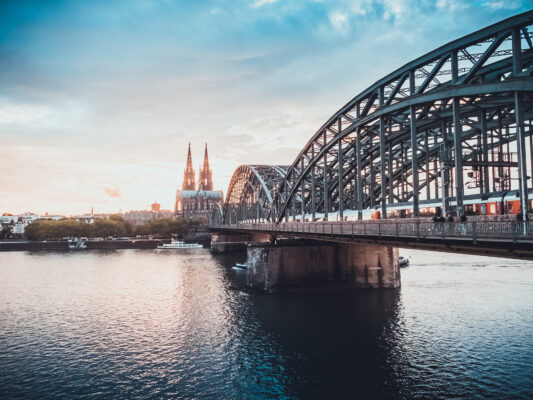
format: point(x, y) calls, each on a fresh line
point(404, 262)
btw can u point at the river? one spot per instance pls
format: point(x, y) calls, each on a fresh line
point(155, 324)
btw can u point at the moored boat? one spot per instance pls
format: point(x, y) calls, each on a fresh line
point(178, 244)
point(240, 266)
point(77, 244)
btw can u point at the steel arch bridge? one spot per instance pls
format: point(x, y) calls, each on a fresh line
point(251, 193)
point(462, 110)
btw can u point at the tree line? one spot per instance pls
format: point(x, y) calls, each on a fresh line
point(114, 226)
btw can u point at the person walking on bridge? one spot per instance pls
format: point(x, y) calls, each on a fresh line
point(435, 220)
point(449, 220)
point(463, 220)
point(438, 219)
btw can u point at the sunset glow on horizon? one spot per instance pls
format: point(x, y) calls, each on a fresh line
point(100, 99)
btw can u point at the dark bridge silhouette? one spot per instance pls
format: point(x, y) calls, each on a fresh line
point(447, 135)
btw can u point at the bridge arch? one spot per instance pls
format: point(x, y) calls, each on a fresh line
point(450, 123)
point(217, 215)
point(396, 141)
point(250, 195)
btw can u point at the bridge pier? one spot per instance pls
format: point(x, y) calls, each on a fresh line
point(226, 242)
point(273, 269)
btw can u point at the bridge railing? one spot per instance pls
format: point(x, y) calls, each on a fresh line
point(507, 230)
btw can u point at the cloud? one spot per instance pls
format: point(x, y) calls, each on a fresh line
point(339, 21)
point(501, 4)
point(23, 114)
point(37, 116)
point(112, 91)
point(260, 3)
point(395, 8)
point(112, 191)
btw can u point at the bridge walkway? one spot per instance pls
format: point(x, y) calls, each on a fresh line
point(497, 238)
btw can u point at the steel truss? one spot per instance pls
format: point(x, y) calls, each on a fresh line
point(251, 193)
point(456, 119)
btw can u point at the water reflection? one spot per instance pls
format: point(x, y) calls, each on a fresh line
point(157, 324)
point(327, 343)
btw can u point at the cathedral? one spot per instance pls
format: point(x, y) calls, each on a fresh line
point(197, 203)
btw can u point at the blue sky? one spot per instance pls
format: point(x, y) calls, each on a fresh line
point(100, 98)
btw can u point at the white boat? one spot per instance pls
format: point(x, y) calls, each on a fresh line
point(178, 244)
point(239, 266)
point(404, 262)
point(77, 244)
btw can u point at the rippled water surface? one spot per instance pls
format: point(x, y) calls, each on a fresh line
point(150, 324)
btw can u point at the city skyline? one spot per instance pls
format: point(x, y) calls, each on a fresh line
point(99, 101)
point(204, 178)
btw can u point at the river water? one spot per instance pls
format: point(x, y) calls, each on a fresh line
point(154, 324)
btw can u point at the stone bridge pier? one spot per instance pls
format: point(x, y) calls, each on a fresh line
point(345, 266)
point(229, 241)
point(288, 265)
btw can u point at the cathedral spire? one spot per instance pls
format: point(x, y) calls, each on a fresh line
point(205, 180)
point(189, 174)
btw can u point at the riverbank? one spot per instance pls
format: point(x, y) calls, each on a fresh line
point(28, 245)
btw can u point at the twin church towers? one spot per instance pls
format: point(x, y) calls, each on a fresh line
point(193, 202)
point(205, 178)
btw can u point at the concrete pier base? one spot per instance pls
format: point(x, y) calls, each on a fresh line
point(369, 266)
point(277, 268)
point(227, 242)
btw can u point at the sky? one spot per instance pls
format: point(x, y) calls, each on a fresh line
point(99, 99)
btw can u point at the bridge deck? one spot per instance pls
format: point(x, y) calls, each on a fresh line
point(496, 238)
